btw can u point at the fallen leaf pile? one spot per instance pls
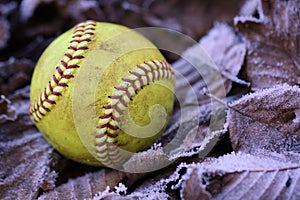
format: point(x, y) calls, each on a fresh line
point(236, 140)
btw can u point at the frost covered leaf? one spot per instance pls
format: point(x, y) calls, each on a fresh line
point(19, 123)
point(7, 111)
point(190, 139)
point(24, 167)
point(155, 186)
point(155, 191)
point(86, 186)
point(191, 130)
point(242, 176)
point(271, 29)
point(227, 51)
point(24, 155)
point(107, 195)
point(147, 161)
point(267, 119)
point(196, 72)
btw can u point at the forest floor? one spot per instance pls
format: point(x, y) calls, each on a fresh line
point(235, 128)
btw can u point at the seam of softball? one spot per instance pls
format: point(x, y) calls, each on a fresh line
point(64, 71)
point(106, 137)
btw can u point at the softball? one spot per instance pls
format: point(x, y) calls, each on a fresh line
point(101, 92)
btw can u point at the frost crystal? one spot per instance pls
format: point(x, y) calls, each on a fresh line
point(156, 146)
point(121, 189)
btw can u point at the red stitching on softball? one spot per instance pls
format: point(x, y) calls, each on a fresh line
point(39, 118)
point(78, 48)
point(110, 116)
point(147, 77)
point(152, 71)
point(50, 101)
point(125, 90)
point(69, 66)
point(45, 94)
point(132, 83)
point(56, 93)
point(82, 40)
point(112, 135)
point(139, 78)
point(108, 126)
point(55, 79)
point(50, 87)
point(41, 113)
point(91, 29)
point(120, 98)
point(115, 154)
point(116, 108)
point(74, 57)
point(41, 100)
point(43, 105)
point(111, 156)
point(47, 109)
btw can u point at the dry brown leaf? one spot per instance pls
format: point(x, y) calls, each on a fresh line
point(184, 17)
point(75, 9)
point(242, 176)
point(86, 186)
point(267, 119)
point(15, 74)
point(4, 32)
point(271, 30)
point(5, 10)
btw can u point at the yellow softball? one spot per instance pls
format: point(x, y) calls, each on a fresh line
point(101, 92)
